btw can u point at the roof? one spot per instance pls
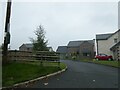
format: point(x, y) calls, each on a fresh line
point(62, 49)
point(118, 31)
point(50, 48)
point(103, 36)
point(29, 45)
point(115, 45)
point(78, 43)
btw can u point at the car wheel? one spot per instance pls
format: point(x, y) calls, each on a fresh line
point(109, 59)
point(97, 59)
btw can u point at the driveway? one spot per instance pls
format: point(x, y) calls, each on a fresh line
point(81, 75)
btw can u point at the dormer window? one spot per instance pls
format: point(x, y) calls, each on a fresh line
point(115, 40)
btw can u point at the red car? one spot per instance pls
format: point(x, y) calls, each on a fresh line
point(103, 57)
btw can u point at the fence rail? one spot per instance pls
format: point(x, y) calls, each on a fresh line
point(27, 55)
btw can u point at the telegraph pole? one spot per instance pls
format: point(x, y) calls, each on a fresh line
point(7, 33)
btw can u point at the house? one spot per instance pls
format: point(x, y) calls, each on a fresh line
point(26, 47)
point(62, 50)
point(107, 43)
point(81, 49)
point(116, 51)
point(29, 47)
point(50, 49)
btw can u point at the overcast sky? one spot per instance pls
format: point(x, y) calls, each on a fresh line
point(62, 21)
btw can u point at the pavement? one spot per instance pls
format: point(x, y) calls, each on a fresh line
point(81, 75)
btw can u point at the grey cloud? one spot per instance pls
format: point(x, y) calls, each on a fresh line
point(62, 21)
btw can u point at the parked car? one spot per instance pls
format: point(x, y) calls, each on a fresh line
point(103, 57)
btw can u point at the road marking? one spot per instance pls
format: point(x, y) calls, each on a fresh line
point(45, 84)
point(93, 80)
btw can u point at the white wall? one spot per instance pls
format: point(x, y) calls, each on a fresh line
point(105, 45)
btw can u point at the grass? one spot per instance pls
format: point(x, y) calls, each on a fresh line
point(19, 72)
point(105, 62)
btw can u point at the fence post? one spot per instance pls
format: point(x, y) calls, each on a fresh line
point(15, 55)
point(41, 63)
point(58, 61)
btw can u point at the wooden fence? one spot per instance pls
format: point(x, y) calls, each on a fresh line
point(45, 55)
point(26, 55)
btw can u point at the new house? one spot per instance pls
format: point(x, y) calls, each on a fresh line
point(26, 47)
point(116, 51)
point(29, 47)
point(82, 49)
point(62, 50)
point(109, 44)
point(79, 49)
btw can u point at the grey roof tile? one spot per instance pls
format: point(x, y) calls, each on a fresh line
point(29, 45)
point(103, 36)
point(78, 43)
point(62, 49)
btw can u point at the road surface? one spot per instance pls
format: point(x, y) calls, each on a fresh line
point(81, 75)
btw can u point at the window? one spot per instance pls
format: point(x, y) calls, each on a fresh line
point(103, 55)
point(86, 54)
point(115, 40)
point(28, 49)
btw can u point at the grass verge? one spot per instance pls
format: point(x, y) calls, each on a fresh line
point(109, 63)
point(19, 72)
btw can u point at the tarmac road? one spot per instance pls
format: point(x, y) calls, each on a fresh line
point(81, 75)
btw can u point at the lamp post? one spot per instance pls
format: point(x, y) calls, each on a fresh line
point(7, 33)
